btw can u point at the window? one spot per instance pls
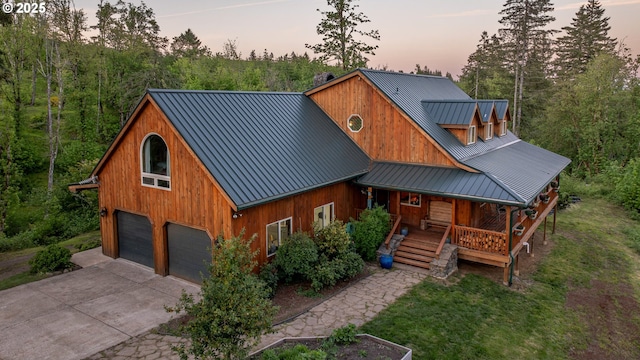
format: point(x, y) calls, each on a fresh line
point(471, 135)
point(155, 163)
point(503, 128)
point(410, 199)
point(276, 232)
point(354, 123)
point(323, 214)
point(489, 130)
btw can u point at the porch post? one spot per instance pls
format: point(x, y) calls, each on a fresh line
point(507, 228)
point(555, 211)
point(369, 197)
point(452, 233)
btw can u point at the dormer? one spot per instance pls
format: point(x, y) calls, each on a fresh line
point(460, 117)
point(503, 115)
point(490, 125)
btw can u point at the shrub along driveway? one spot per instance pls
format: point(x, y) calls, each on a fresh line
point(76, 314)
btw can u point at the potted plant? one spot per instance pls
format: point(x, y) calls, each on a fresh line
point(554, 185)
point(532, 214)
point(544, 198)
point(519, 229)
point(386, 261)
point(404, 231)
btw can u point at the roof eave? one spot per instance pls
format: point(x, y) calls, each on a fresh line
point(250, 204)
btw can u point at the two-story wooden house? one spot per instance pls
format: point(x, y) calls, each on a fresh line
point(191, 165)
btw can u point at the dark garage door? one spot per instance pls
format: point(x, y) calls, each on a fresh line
point(135, 238)
point(189, 252)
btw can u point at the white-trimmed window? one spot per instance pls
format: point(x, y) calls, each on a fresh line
point(489, 131)
point(410, 199)
point(276, 233)
point(503, 128)
point(155, 162)
point(323, 214)
point(355, 123)
point(471, 135)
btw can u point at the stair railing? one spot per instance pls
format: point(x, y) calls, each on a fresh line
point(443, 241)
point(394, 228)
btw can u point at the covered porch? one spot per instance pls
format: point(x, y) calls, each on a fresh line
point(489, 224)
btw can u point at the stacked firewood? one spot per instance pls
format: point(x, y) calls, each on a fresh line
point(489, 242)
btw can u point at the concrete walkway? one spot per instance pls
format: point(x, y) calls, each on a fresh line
point(356, 304)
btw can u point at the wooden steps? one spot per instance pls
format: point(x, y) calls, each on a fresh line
point(415, 252)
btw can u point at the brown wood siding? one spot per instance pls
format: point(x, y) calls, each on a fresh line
point(386, 133)
point(300, 208)
point(193, 200)
point(460, 134)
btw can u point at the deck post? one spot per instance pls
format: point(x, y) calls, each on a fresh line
point(555, 211)
point(544, 234)
point(516, 269)
point(505, 279)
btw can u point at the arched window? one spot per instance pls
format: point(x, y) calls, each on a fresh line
point(156, 169)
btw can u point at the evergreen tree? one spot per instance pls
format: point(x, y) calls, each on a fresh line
point(188, 45)
point(586, 37)
point(524, 34)
point(338, 29)
point(486, 75)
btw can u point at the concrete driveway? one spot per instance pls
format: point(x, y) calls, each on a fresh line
point(77, 314)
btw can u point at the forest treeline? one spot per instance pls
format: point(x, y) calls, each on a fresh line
point(64, 95)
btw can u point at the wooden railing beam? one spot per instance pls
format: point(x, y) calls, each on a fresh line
point(393, 231)
point(443, 241)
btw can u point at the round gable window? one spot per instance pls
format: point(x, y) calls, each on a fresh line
point(354, 123)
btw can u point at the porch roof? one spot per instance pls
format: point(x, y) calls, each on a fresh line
point(524, 168)
point(441, 181)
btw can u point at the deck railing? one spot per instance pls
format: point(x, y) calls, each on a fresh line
point(482, 240)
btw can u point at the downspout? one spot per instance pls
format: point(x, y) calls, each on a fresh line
point(513, 260)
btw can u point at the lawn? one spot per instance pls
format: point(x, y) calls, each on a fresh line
point(582, 301)
point(14, 265)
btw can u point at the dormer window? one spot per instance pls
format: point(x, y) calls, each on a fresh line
point(489, 131)
point(155, 163)
point(503, 128)
point(471, 135)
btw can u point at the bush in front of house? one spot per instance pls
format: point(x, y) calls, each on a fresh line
point(370, 231)
point(337, 258)
point(296, 257)
point(324, 260)
point(234, 309)
point(52, 258)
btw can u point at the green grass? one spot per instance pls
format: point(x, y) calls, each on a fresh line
point(79, 243)
point(476, 318)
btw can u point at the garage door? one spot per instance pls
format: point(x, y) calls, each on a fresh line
point(189, 252)
point(135, 238)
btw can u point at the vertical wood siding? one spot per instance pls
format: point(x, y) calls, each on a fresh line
point(193, 199)
point(300, 207)
point(386, 133)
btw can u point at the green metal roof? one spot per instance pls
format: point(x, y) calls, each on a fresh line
point(450, 112)
point(440, 181)
point(262, 146)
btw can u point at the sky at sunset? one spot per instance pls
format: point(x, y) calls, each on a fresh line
point(439, 34)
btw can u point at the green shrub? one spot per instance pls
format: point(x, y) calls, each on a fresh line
point(329, 271)
point(332, 240)
point(233, 310)
point(628, 188)
point(344, 336)
point(370, 231)
point(269, 275)
point(296, 257)
point(52, 258)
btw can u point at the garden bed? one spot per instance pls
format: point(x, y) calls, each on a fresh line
point(367, 347)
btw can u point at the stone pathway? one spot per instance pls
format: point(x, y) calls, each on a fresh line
point(357, 304)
